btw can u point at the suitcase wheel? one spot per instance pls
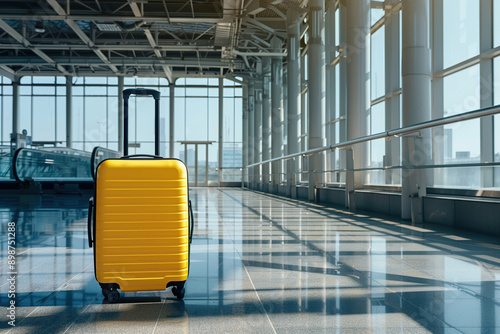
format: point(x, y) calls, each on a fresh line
point(179, 293)
point(111, 295)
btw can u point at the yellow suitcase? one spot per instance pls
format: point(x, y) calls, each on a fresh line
point(141, 224)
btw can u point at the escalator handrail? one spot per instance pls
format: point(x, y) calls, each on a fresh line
point(14, 163)
point(92, 162)
point(93, 158)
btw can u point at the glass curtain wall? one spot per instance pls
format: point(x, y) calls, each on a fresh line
point(42, 113)
point(197, 119)
point(42, 109)
point(377, 112)
point(5, 110)
point(232, 148)
point(94, 113)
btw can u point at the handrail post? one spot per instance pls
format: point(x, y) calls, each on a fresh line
point(349, 183)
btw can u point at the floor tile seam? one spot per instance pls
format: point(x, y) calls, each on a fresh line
point(250, 278)
point(159, 315)
point(56, 291)
point(80, 313)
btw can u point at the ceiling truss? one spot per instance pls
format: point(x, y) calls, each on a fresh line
point(167, 38)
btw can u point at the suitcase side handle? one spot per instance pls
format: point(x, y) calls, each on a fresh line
point(89, 221)
point(192, 222)
point(141, 155)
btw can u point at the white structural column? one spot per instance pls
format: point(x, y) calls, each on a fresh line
point(416, 71)
point(277, 113)
point(316, 84)
point(343, 88)
point(244, 133)
point(439, 140)
point(69, 111)
point(358, 87)
point(266, 120)
point(15, 105)
point(258, 128)
point(392, 86)
point(486, 91)
point(330, 82)
point(221, 126)
point(294, 97)
point(251, 131)
point(120, 114)
point(171, 113)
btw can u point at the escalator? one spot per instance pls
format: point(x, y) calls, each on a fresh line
point(58, 164)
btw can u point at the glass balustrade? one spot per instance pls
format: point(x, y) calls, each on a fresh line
point(57, 164)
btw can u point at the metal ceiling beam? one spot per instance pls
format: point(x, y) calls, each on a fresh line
point(152, 42)
point(18, 37)
point(103, 47)
point(259, 54)
point(6, 71)
point(36, 17)
point(59, 10)
point(108, 72)
point(92, 61)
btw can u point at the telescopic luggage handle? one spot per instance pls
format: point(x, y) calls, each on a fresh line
point(143, 92)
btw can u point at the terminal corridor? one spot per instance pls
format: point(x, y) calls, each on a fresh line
point(259, 264)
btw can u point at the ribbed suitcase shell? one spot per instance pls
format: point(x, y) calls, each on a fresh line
point(141, 226)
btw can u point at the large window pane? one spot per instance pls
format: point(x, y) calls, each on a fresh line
point(377, 147)
point(77, 119)
point(113, 120)
point(197, 119)
point(44, 118)
point(195, 91)
point(25, 114)
point(496, 23)
point(213, 119)
point(61, 119)
point(44, 80)
point(378, 63)
point(6, 108)
point(461, 30)
point(238, 120)
point(95, 120)
point(180, 118)
point(228, 128)
point(461, 141)
point(95, 90)
point(44, 90)
point(145, 119)
point(376, 14)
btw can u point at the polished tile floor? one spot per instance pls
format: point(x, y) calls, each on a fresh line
point(259, 264)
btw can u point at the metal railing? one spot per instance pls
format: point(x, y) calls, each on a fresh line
point(397, 133)
point(276, 178)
